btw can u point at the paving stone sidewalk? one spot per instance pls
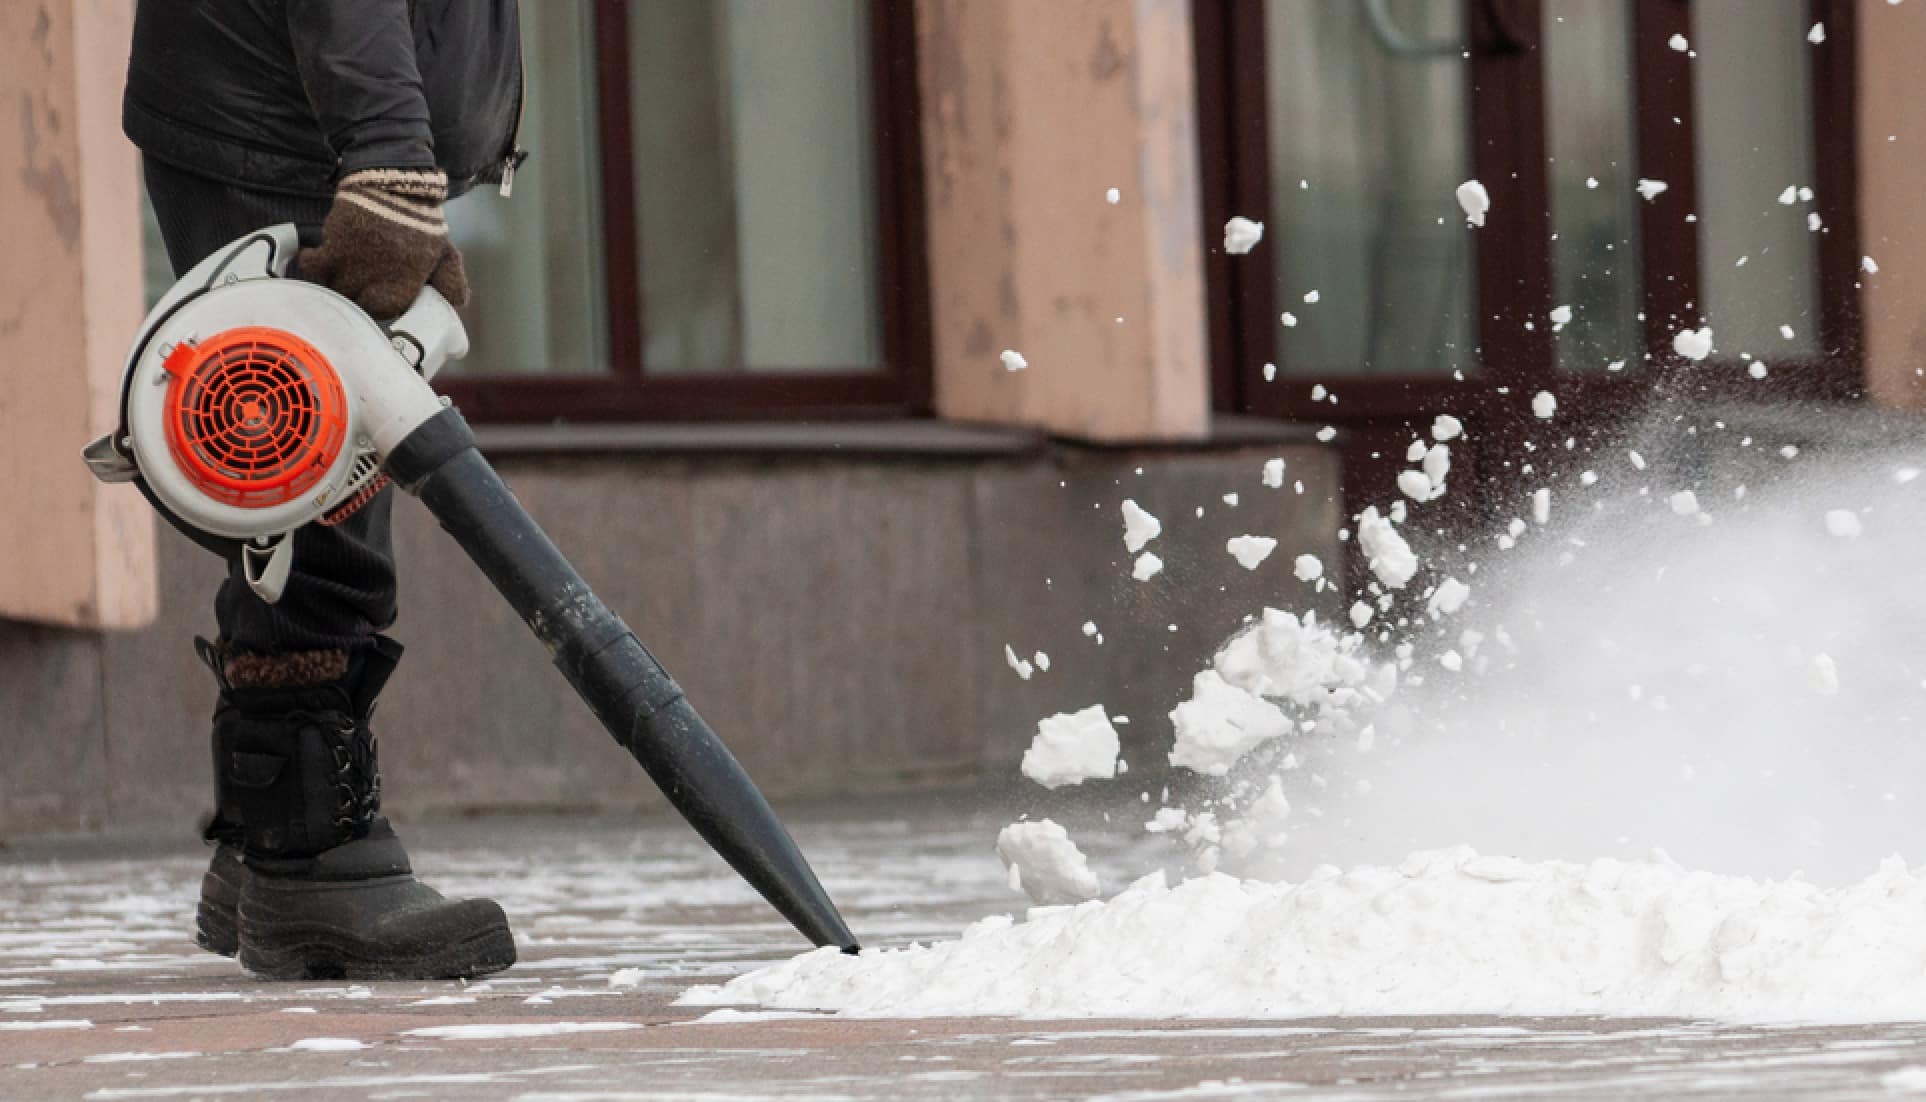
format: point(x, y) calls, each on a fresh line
point(102, 996)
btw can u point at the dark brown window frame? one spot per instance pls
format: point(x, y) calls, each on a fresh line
point(1514, 268)
point(900, 386)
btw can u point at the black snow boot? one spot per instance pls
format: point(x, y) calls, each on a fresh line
point(308, 880)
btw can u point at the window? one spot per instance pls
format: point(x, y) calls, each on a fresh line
point(720, 218)
point(1348, 126)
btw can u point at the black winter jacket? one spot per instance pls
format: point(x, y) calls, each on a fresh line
point(289, 95)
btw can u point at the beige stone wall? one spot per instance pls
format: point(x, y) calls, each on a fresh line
point(1031, 111)
point(1892, 198)
point(71, 552)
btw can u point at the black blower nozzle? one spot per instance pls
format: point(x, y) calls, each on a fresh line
point(636, 700)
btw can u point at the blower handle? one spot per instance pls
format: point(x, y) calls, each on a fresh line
point(429, 333)
point(639, 704)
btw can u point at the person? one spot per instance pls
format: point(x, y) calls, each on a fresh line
point(356, 120)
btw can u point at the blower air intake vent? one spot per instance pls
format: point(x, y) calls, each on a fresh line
point(255, 416)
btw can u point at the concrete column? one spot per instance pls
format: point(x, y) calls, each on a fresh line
point(71, 551)
point(1892, 205)
point(1031, 111)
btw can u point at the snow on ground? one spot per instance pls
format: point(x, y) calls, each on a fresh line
point(1443, 932)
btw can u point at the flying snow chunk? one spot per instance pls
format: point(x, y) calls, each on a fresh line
point(1544, 405)
point(1251, 550)
point(1867, 265)
point(1789, 196)
point(1289, 319)
point(1270, 372)
point(1072, 747)
point(1448, 598)
point(1814, 223)
point(1326, 434)
point(1693, 344)
point(1756, 369)
point(1446, 427)
point(1844, 523)
point(1146, 567)
point(1241, 235)
point(1786, 332)
point(1274, 473)
point(1390, 556)
point(1637, 460)
point(1685, 503)
point(1415, 485)
point(1045, 864)
point(1817, 34)
point(1678, 42)
point(1309, 568)
point(1452, 660)
point(1825, 675)
point(1139, 527)
point(1361, 614)
point(1541, 506)
point(1018, 663)
point(1113, 197)
point(1437, 467)
point(1220, 723)
point(1651, 189)
point(1013, 360)
point(1474, 201)
point(1561, 315)
point(1415, 453)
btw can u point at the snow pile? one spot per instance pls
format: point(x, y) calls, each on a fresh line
point(1072, 747)
point(1045, 864)
point(1445, 932)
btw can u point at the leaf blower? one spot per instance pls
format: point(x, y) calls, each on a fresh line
point(254, 403)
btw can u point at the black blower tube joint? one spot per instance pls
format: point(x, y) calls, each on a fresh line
point(639, 704)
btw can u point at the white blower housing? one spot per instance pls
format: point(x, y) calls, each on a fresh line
point(253, 404)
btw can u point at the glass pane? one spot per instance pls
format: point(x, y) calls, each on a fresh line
point(1372, 116)
point(1593, 172)
point(535, 259)
point(755, 184)
point(1752, 95)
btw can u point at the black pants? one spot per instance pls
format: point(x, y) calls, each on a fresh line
point(342, 589)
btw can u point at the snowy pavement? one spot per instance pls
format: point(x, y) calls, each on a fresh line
point(102, 996)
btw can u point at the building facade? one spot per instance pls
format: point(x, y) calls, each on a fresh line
point(739, 333)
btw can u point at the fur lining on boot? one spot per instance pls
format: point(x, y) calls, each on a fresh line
point(295, 670)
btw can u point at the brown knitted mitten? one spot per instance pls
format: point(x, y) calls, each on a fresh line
point(384, 239)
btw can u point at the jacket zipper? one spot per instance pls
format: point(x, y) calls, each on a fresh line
point(516, 154)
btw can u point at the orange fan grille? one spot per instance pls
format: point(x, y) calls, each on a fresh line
point(255, 416)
